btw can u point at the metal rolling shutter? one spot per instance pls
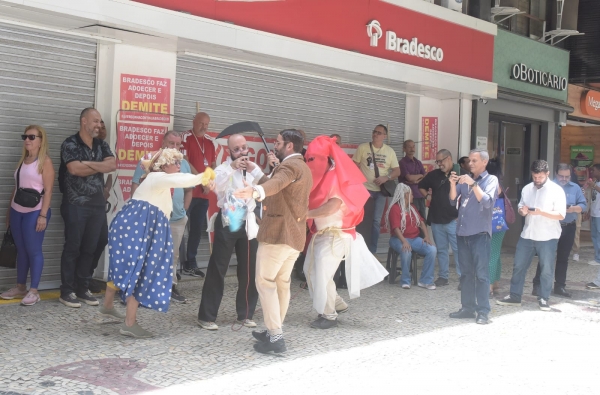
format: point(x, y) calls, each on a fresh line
point(232, 92)
point(45, 79)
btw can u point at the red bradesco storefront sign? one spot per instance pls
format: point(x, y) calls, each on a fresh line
point(145, 99)
point(380, 28)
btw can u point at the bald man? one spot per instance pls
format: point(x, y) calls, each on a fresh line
point(199, 150)
point(230, 176)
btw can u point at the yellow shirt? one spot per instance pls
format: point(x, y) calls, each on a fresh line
point(386, 160)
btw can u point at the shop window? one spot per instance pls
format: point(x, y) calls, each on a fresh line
point(532, 23)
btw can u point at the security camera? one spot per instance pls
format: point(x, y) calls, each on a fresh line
point(562, 124)
point(482, 100)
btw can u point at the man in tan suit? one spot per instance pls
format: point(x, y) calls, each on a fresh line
point(282, 233)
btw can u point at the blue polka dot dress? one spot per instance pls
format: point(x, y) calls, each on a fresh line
point(141, 253)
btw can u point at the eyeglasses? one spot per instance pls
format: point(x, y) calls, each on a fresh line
point(378, 132)
point(240, 149)
point(439, 162)
point(176, 162)
point(29, 136)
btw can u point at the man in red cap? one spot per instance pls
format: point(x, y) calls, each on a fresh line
point(335, 207)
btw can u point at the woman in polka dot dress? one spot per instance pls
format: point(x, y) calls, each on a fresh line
point(140, 244)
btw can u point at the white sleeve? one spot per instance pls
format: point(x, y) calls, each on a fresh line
point(162, 180)
point(257, 174)
point(223, 173)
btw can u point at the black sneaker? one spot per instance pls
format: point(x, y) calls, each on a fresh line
point(323, 323)
point(543, 303)
point(95, 287)
point(592, 285)
point(87, 298)
point(194, 272)
point(178, 277)
point(440, 282)
point(176, 296)
point(70, 300)
point(509, 300)
point(261, 336)
point(268, 346)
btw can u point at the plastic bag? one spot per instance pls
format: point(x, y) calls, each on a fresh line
point(233, 212)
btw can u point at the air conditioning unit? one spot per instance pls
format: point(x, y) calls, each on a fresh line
point(454, 5)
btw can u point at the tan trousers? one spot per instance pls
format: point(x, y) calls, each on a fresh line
point(576, 243)
point(274, 264)
point(177, 230)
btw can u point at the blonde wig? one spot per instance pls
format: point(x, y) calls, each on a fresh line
point(399, 198)
point(43, 152)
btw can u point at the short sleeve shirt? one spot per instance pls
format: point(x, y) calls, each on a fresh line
point(82, 191)
point(441, 211)
point(200, 153)
point(411, 167)
point(412, 229)
point(595, 202)
point(178, 203)
point(385, 158)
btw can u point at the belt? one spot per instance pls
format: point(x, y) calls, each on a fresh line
point(568, 224)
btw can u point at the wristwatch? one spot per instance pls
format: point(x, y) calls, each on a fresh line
point(473, 185)
point(255, 194)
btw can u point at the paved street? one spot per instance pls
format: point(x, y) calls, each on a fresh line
point(391, 340)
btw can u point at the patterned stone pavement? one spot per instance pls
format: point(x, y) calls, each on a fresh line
point(390, 340)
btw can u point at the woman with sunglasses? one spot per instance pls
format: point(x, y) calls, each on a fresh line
point(28, 224)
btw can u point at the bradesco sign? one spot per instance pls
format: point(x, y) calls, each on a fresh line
point(523, 73)
point(403, 45)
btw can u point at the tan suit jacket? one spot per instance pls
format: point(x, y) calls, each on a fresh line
point(285, 206)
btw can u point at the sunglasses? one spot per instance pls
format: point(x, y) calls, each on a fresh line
point(29, 136)
point(240, 149)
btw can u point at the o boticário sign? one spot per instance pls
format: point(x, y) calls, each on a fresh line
point(521, 72)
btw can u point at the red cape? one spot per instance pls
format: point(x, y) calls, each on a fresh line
point(343, 179)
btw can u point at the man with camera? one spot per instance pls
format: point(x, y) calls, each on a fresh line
point(543, 204)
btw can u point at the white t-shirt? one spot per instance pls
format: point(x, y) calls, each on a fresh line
point(595, 202)
point(550, 197)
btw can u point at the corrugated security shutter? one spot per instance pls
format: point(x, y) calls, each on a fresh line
point(45, 79)
point(232, 92)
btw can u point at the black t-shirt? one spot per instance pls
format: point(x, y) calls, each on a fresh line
point(440, 209)
point(82, 191)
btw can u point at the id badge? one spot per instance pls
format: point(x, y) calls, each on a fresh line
point(371, 166)
point(205, 162)
point(465, 202)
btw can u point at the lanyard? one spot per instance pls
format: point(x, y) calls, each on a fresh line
point(201, 148)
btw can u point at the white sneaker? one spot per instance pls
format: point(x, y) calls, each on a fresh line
point(427, 286)
point(211, 326)
point(405, 286)
point(247, 323)
point(576, 257)
point(594, 263)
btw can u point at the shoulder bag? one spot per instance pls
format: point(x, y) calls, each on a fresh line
point(26, 197)
point(8, 251)
point(509, 212)
point(387, 188)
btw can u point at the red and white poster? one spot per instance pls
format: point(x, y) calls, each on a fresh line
point(145, 99)
point(134, 141)
point(125, 185)
point(429, 141)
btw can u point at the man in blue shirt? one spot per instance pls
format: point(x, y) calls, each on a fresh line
point(181, 200)
point(475, 196)
point(576, 203)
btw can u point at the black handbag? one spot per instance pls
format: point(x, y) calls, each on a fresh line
point(26, 197)
point(387, 188)
point(8, 251)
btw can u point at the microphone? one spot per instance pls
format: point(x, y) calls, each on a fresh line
point(244, 174)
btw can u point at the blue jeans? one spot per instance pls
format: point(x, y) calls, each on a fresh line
point(595, 232)
point(474, 257)
point(420, 247)
point(444, 235)
point(197, 222)
point(30, 258)
point(380, 201)
point(526, 249)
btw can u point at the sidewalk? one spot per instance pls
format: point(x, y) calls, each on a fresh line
point(390, 341)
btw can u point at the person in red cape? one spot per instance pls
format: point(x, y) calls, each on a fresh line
point(335, 207)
